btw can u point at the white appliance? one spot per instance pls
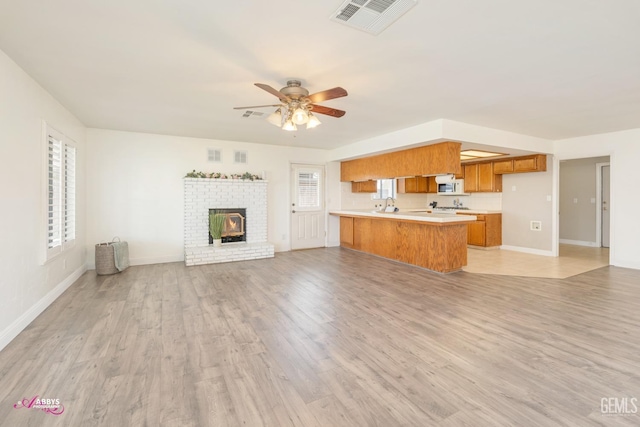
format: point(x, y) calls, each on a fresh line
point(454, 188)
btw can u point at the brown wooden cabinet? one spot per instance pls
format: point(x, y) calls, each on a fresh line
point(479, 178)
point(486, 231)
point(536, 163)
point(503, 166)
point(433, 159)
point(364, 187)
point(418, 184)
point(533, 163)
point(346, 231)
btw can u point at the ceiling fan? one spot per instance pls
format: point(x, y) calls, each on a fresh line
point(297, 107)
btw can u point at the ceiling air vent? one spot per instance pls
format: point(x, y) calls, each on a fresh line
point(249, 114)
point(372, 16)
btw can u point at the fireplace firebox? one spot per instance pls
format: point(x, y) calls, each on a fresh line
point(234, 225)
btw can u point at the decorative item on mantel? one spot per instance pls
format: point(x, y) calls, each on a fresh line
point(218, 175)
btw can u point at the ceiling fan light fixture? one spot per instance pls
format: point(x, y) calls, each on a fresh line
point(313, 121)
point(300, 116)
point(276, 118)
point(289, 125)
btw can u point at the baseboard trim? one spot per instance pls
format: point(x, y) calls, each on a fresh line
point(578, 243)
point(147, 261)
point(526, 250)
point(29, 316)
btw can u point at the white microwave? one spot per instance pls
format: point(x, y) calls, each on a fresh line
point(453, 188)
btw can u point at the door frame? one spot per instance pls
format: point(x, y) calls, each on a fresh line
point(324, 199)
point(599, 167)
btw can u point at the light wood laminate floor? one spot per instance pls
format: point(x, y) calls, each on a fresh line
point(572, 260)
point(328, 337)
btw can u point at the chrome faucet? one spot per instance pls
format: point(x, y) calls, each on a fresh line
point(386, 202)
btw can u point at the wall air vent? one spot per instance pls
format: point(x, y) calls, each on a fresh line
point(214, 155)
point(372, 16)
point(240, 157)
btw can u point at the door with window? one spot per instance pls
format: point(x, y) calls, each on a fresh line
point(307, 207)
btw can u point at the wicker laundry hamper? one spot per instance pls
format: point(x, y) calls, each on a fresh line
point(105, 257)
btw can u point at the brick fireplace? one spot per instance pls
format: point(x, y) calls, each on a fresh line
point(201, 195)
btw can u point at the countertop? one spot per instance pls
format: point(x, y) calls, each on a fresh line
point(469, 211)
point(408, 214)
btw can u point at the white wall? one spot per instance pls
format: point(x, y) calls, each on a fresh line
point(624, 151)
point(26, 285)
point(532, 200)
point(136, 188)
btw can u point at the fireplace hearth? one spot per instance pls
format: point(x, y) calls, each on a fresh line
point(234, 225)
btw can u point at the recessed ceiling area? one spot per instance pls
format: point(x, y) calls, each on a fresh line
point(547, 69)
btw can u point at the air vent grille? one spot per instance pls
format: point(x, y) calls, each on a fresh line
point(240, 157)
point(252, 114)
point(214, 155)
point(347, 12)
point(379, 5)
point(372, 16)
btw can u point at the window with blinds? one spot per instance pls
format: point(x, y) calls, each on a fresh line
point(61, 193)
point(308, 189)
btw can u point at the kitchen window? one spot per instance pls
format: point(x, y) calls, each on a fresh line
point(386, 188)
point(61, 193)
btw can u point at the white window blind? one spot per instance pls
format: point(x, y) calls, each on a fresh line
point(69, 193)
point(54, 193)
point(61, 193)
point(308, 189)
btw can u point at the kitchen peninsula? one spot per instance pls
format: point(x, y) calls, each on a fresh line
point(430, 240)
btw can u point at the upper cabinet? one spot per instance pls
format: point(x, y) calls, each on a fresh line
point(533, 163)
point(480, 178)
point(433, 159)
point(364, 187)
point(418, 184)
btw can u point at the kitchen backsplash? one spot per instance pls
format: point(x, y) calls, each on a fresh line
point(484, 201)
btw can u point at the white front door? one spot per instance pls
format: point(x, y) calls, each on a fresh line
point(307, 207)
point(606, 205)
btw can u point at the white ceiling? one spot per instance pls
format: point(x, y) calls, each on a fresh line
point(547, 68)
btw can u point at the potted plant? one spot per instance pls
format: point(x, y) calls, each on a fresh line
point(216, 227)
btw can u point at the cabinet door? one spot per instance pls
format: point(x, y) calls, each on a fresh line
point(471, 178)
point(485, 178)
point(537, 163)
point(346, 231)
point(503, 166)
point(364, 187)
point(416, 184)
point(432, 185)
point(422, 184)
point(476, 233)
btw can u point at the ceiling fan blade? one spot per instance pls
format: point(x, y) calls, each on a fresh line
point(257, 106)
point(326, 110)
point(272, 91)
point(336, 92)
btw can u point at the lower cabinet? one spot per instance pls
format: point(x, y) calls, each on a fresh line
point(486, 231)
point(346, 231)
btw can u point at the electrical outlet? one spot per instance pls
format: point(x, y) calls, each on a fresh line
point(575, 200)
point(513, 188)
point(536, 225)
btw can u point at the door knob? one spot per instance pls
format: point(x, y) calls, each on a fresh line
point(293, 211)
